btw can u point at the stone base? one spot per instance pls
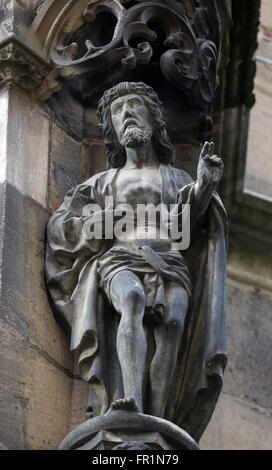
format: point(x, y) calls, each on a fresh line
point(121, 429)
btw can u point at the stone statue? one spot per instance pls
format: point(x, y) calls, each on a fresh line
point(146, 319)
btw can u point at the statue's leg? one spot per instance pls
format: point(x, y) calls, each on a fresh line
point(167, 338)
point(128, 299)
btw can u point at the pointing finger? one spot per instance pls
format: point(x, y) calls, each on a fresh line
point(205, 149)
point(211, 148)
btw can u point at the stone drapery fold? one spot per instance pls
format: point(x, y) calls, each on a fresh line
point(73, 284)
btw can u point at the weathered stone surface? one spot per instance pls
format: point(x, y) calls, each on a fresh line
point(14, 357)
point(4, 103)
point(93, 159)
point(27, 146)
point(238, 425)
point(80, 392)
point(23, 290)
point(64, 171)
point(34, 394)
point(186, 157)
point(12, 415)
point(249, 319)
point(49, 393)
point(68, 111)
point(91, 130)
point(15, 244)
point(24, 300)
point(14, 321)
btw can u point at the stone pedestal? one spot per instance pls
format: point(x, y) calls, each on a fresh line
point(120, 429)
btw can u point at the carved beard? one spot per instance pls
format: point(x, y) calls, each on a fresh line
point(135, 137)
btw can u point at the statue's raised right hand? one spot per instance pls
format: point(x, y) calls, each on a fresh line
point(210, 166)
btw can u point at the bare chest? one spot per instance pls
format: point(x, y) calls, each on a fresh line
point(138, 186)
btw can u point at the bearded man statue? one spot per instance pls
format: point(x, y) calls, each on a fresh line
point(146, 314)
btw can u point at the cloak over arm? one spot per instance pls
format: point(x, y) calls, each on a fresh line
point(68, 250)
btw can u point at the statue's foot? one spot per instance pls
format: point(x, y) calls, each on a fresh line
point(127, 404)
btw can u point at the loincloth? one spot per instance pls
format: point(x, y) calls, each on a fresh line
point(154, 269)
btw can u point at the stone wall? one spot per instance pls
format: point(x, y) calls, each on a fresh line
point(37, 159)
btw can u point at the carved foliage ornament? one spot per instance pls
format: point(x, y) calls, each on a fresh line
point(181, 36)
point(19, 66)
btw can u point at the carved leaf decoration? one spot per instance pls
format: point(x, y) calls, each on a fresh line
point(165, 31)
point(129, 62)
point(180, 41)
point(89, 14)
point(90, 48)
point(178, 68)
point(208, 63)
point(144, 53)
point(201, 23)
point(138, 29)
point(167, 19)
point(69, 52)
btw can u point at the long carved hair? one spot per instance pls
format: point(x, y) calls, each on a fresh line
point(116, 154)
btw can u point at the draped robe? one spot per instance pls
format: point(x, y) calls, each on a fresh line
point(80, 306)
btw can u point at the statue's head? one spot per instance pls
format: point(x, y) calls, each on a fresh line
point(131, 114)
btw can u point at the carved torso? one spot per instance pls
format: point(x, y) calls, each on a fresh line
point(141, 186)
point(138, 186)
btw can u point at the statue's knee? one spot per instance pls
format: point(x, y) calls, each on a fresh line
point(135, 297)
point(175, 327)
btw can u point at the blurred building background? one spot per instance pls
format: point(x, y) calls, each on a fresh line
point(243, 417)
point(258, 176)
